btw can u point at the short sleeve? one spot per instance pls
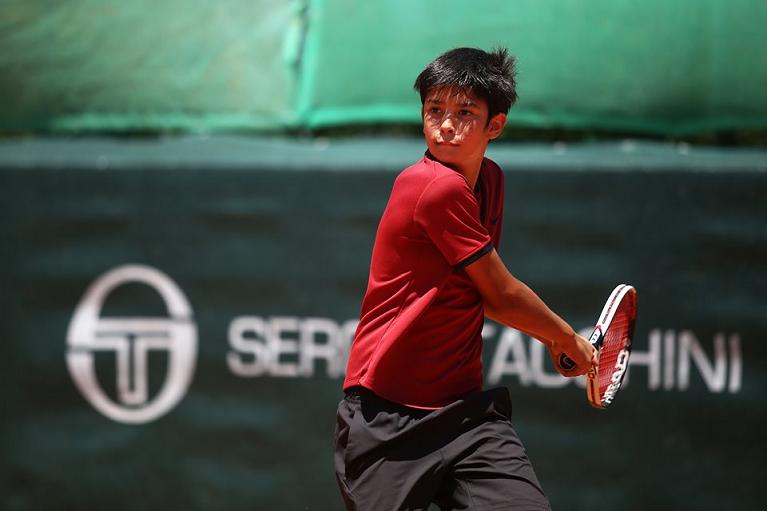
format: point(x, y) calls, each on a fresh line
point(448, 213)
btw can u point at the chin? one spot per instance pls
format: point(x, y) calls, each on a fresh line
point(443, 148)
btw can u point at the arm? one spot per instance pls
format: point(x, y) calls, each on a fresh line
point(510, 302)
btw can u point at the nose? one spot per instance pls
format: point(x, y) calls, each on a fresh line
point(447, 126)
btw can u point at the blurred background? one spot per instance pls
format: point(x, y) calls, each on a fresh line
point(189, 194)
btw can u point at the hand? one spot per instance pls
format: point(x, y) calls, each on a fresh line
point(581, 352)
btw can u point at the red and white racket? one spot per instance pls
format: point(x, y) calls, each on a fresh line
point(612, 340)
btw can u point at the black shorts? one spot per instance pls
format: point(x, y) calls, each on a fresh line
point(464, 456)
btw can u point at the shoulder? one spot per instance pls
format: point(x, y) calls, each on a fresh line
point(431, 178)
point(445, 195)
point(428, 170)
point(445, 184)
point(492, 171)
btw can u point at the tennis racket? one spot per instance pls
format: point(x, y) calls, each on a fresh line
point(612, 340)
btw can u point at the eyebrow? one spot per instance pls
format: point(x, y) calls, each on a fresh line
point(439, 102)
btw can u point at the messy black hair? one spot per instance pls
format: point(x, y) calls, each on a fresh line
point(491, 76)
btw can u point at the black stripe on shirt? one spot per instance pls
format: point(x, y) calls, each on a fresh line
point(473, 257)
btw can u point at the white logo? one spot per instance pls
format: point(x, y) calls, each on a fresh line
point(621, 365)
point(131, 339)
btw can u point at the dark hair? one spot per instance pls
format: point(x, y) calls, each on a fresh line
point(491, 76)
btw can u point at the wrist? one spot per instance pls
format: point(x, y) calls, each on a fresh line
point(567, 340)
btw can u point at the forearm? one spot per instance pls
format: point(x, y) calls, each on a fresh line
point(520, 307)
point(510, 302)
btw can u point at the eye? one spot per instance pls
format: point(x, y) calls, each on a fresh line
point(435, 110)
point(464, 112)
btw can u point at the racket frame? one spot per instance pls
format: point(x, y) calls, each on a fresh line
point(597, 338)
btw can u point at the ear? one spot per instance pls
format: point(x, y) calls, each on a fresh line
point(496, 125)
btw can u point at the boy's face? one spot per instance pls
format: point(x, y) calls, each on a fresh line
point(455, 123)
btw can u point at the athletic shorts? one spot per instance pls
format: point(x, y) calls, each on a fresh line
point(463, 456)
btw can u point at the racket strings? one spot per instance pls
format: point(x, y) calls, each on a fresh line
point(615, 340)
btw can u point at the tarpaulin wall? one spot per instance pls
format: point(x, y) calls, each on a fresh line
point(148, 65)
point(175, 329)
point(651, 66)
point(654, 66)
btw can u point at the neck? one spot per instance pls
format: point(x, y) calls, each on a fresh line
point(470, 170)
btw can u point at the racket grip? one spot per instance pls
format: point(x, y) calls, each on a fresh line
point(566, 362)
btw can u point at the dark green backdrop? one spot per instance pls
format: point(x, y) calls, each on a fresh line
point(279, 229)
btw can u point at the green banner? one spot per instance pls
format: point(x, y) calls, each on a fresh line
point(658, 67)
point(175, 336)
point(652, 66)
point(169, 65)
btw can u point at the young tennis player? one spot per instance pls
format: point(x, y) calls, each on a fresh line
point(415, 426)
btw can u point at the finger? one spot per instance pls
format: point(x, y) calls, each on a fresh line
point(582, 369)
point(566, 363)
point(577, 370)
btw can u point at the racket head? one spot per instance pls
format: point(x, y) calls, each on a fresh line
point(612, 337)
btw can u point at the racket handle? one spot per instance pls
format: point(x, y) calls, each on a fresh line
point(566, 362)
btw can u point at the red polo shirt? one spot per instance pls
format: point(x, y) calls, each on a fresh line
point(418, 342)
